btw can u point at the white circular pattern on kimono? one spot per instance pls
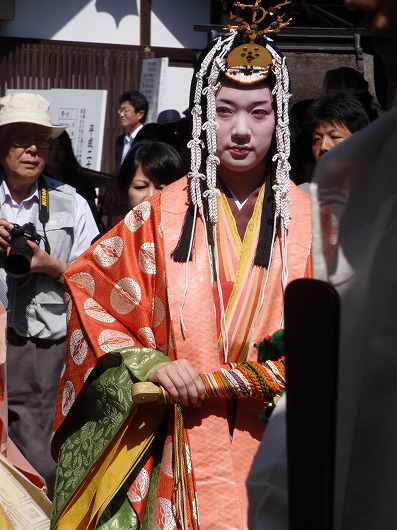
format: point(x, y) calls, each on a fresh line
point(195, 508)
point(140, 487)
point(125, 295)
point(146, 334)
point(108, 251)
point(137, 216)
point(78, 346)
point(68, 397)
point(85, 281)
point(96, 311)
point(158, 311)
point(188, 458)
point(165, 511)
point(69, 305)
point(166, 460)
point(109, 340)
point(63, 370)
point(147, 258)
point(87, 374)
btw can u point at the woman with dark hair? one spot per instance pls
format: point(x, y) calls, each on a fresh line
point(148, 168)
point(186, 287)
point(115, 204)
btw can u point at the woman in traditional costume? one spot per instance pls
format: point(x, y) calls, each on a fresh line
point(180, 293)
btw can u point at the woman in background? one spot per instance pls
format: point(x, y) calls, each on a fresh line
point(115, 205)
point(148, 168)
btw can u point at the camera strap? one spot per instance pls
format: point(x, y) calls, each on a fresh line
point(44, 212)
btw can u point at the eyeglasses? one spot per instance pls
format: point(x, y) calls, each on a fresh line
point(22, 140)
point(125, 111)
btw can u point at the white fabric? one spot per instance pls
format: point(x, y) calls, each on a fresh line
point(355, 186)
point(239, 204)
point(267, 480)
point(358, 180)
point(128, 139)
point(85, 229)
point(23, 505)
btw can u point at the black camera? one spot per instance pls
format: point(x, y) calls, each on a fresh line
point(17, 262)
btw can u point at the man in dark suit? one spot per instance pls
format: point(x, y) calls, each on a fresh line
point(133, 111)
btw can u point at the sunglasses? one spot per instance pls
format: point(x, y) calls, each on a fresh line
point(23, 140)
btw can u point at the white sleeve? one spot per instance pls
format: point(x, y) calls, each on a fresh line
point(267, 483)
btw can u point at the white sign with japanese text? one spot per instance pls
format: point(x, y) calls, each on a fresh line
point(153, 84)
point(83, 112)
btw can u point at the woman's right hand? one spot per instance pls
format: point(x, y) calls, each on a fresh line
point(180, 380)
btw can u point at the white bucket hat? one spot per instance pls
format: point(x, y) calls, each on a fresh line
point(27, 108)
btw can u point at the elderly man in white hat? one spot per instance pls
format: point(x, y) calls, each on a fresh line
point(44, 226)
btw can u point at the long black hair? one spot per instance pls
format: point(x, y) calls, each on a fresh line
point(263, 251)
point(159, 161)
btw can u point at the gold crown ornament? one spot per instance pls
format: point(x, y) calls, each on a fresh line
point(250, 63)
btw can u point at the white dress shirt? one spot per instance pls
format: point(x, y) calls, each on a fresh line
point(85, 228)
point(128, 139)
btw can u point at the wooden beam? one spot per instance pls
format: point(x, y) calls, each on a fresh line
point(145, 22)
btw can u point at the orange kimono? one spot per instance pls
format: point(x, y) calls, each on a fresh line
point(132, 309)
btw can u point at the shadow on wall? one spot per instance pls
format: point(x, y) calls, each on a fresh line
point(58, 19)
point(118, 10)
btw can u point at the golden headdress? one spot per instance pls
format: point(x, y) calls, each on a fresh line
point(247, 62)
point(250, 63)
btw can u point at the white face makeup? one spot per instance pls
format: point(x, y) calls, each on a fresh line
point(246, 121)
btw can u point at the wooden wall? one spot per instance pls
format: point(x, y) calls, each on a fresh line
point(32, 64)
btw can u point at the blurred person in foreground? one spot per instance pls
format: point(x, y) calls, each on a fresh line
point(186, 285)
point(44, 227)
point(354, 230)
